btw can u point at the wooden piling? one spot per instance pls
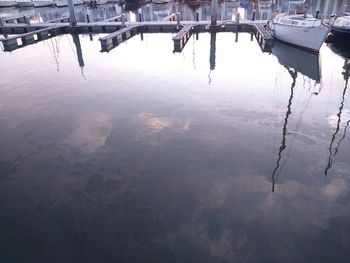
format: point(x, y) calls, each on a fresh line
point(213, 12)
point(72, 17)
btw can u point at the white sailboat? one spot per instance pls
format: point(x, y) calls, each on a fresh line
point(161, 1)
point(24, 3)
point(42, 3)
point(101, 2)
point(61, 3)
point(7, 3)
point(305, 32)
point(302, 30)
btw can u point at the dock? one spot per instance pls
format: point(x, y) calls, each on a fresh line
point(182, 37)
point(24, 33)
point(264, 37)
point(112, 40)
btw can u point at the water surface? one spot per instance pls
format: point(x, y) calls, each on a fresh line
point(220, 153)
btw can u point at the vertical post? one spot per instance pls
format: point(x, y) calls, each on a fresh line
point(123, 19)
point(197, 16)
point(317, 13)
point(88, 18)
point(178, 19)
point(253, 15)
point(72, 18)
point(27, 20)
point(238, 17)
point(140, 16)
point(213, 12)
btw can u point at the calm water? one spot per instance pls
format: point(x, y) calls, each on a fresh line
point(219, 154)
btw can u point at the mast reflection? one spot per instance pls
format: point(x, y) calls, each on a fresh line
point(295, 61)
point(283, 146)
point(332, 153)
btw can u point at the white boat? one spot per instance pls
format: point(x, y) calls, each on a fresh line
point(61, 3)
point(300, 30)
point(7, 3)
point(161, 1)
point(101, 2)
point(41, 3)
point(78, 2)
point(24, 3)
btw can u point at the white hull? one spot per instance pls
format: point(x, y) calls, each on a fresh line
point(161, 1)
point(25, 3)
point(310, 38)
point(43, 3)
point(61, 3)
point(78, 2)
point(7, 3)
point(102, 2)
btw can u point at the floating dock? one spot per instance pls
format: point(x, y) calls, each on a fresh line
point(26, 33)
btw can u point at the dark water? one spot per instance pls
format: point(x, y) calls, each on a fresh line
point(218, 154)
point(227, 10)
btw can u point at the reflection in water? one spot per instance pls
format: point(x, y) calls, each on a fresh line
point(339, 115)
point(296, 61)
point(55, 52)
point(172, 172)
point(79, 51)
point(306, 63)
point(212, 51)
point(283, 146)
point(212, 56)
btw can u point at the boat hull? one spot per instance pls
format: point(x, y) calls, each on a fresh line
point(25, 3)
point(61, 3)
point(7, 3)
point(309, 38)
point(341, 34)
point(43, 3)
point(161, 1)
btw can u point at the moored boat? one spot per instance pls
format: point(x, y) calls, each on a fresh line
point(161, 1)
point(42, 3)
point(7, 3)
point(301, 30)
point(24, 3)
point(61, 3)
point(340, 28)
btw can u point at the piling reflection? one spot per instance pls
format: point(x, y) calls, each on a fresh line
point(79, 53)
point(212, 58)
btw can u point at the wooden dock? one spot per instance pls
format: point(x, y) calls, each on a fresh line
point(264, 37)
point(182, 37)
point(26, 33)
point(112, 40)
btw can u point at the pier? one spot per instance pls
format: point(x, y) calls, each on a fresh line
point(120, 30)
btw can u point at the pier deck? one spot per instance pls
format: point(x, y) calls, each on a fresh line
point(120, 31)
